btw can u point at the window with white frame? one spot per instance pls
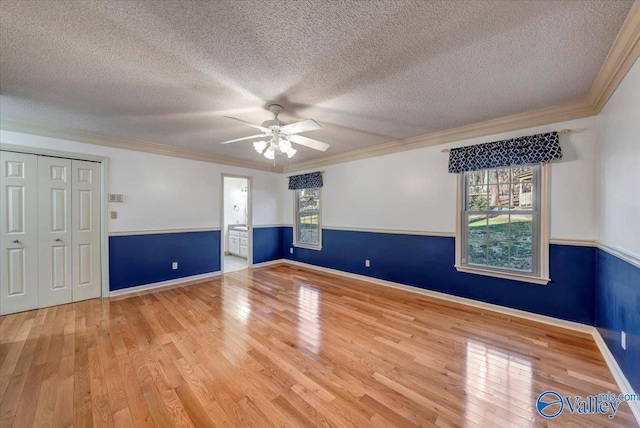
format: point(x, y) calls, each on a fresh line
point(501, 223)
point(308, 232)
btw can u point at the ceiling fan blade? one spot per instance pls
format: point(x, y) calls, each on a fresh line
point(244, 138)
point(262, 128)
point(302, 126)
point(308, 142)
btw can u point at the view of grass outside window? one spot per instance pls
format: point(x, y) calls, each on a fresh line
point(308, 217)
point(501, 219)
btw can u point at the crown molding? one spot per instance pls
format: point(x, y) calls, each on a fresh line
point(54, 131)
point(560, 113)
point(622, 55)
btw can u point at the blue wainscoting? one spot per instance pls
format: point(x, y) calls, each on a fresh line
point(427, 262)
point(146, 259)
point(618, 309)
point(268, 244)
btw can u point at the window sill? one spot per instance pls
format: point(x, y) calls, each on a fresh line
point(504, 275)
point(308, 247)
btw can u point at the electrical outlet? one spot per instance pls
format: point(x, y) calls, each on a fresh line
point(623, 340)
point(114, 215)
point(290, 250)
point(174, 265)
point(367, 263)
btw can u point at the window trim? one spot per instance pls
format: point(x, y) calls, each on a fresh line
point(295, 242)
point(542, 276)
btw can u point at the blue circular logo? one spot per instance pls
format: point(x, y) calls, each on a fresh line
point(549, 404)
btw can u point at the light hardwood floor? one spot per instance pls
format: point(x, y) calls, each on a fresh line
point(282, 346)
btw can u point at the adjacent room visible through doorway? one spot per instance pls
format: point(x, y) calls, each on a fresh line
point(236, 224)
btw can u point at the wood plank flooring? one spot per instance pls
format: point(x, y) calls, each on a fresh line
point(282, 346)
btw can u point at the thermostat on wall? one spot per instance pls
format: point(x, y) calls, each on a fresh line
point(116, 197)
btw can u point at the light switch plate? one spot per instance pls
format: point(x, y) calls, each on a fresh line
point(114, 215)
point(116, 197)
point(174, 265)
point(623, 340)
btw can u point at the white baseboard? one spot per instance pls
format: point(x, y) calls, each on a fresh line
point(162, 284)
point(462, 300)
point(269, 263)
point(618, 375)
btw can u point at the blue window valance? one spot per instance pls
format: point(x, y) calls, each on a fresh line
point(305, 181)
point(532, 149)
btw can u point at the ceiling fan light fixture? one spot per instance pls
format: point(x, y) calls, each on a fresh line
point(260, 146)
point(270, 153)
point(285, 145)
point(281, 135)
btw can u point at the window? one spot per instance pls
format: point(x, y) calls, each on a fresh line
point(307, 226)
point(501, 224)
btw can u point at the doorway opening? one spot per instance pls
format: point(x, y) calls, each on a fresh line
point(236, 223)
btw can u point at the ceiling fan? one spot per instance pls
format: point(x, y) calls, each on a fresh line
point(278, 136)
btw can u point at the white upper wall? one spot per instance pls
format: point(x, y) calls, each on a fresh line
point(163, 192)
point(619, 167)
point(409, 190)
point(413, 191)
point(402, 191)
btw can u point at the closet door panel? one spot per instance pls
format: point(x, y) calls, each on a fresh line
point(18, 232)
point(87, 279)
point(54, 231)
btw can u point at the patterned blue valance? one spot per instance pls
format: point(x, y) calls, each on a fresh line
point(305, 181)
point(515, 151)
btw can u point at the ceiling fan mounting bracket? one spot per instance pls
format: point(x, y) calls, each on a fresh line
point(276, 109)
point(274, 124)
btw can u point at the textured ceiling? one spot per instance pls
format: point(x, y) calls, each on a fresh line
point(369, 72)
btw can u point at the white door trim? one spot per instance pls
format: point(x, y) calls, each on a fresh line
point(249, 179)
point(104, 168)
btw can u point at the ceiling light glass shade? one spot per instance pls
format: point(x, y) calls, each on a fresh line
point(278, 145)
point(270, 153)
point(285, 145)
point(260, 146)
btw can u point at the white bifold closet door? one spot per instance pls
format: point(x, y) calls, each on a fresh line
point(50, 231)
point(18, 232)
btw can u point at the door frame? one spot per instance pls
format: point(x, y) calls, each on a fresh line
point(249, 179)
point(104, 169)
